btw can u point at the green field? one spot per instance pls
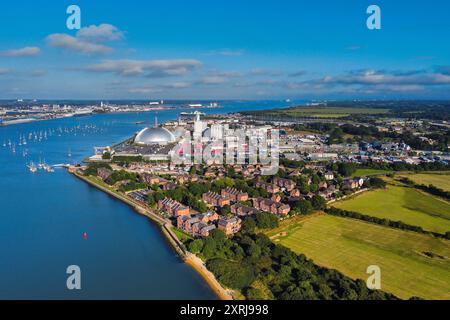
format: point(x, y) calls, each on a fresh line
point(350, 246)
point(440, 180)
point(404, 204)
point(369, 172)
point(324, 112)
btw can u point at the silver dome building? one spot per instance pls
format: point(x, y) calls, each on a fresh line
point(151, 136)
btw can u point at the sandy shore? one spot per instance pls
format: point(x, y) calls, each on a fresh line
point(197, 264)
point(190, 259)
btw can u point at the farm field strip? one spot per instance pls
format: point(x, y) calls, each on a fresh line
point(350, 246)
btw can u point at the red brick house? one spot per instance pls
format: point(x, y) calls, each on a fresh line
point(230, 226)
point(269, 187)
point(241, 210)
point(234, 194)
point(173, 207)
point(271, 206)
point(215, 199)
point(276, 198)
point(289, 185)
point(295, 193)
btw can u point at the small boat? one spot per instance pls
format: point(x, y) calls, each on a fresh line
point(32, 167)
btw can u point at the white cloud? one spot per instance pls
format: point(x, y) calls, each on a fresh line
point(151, 68)
point(72, 43)
point(145, 90)
point(211, 80)
point(22, 52)
point(38, 73)
point(4, 71)
point(101, 33)
point(177, 85)
point(227, 52)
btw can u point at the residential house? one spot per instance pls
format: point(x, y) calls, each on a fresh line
point(269, 187)
point(104, 173)
point(234, 194)
point(271, 206)
point(151, 179)
point(354, 183)
point(241, 210)
point(208, 217)
point(215, 199)
point(230, 226)
point(295, 193)
point(329, 175)
point(276, 198)
point(169, 186)
point(206, 231)
point(173, 207)
point(288, 184)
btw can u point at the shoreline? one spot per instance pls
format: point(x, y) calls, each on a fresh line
point(165, 227)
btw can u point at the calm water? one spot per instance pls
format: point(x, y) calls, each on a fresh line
point(43, 217)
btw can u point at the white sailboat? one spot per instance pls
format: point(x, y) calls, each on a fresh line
point(32, 167)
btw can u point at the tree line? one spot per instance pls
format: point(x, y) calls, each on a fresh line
point(384, 222)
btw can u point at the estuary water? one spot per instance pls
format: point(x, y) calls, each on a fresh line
point(44, 215)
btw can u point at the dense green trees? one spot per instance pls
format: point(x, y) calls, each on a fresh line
point(265, 220)
point(304, 206)
point(232, 274)
point(196, 246)
point(346, 169)
point(121, 175)
point(336, 136)
point(318, 202)
point(375, 183)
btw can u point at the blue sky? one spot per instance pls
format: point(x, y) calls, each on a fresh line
point(232, 49)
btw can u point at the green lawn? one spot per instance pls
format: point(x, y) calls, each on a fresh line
point(404, 204)
point(350, 246)
point(181, 235)
point(440, 180)
point(369, 172)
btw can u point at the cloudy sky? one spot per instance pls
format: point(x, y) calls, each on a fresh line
point(231, 49)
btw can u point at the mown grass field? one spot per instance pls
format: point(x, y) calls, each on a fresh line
point(369, 172)
point(400, 203)
point(440, 180)
point(350, 246)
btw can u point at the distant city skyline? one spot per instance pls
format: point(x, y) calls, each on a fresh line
point(210, 50)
